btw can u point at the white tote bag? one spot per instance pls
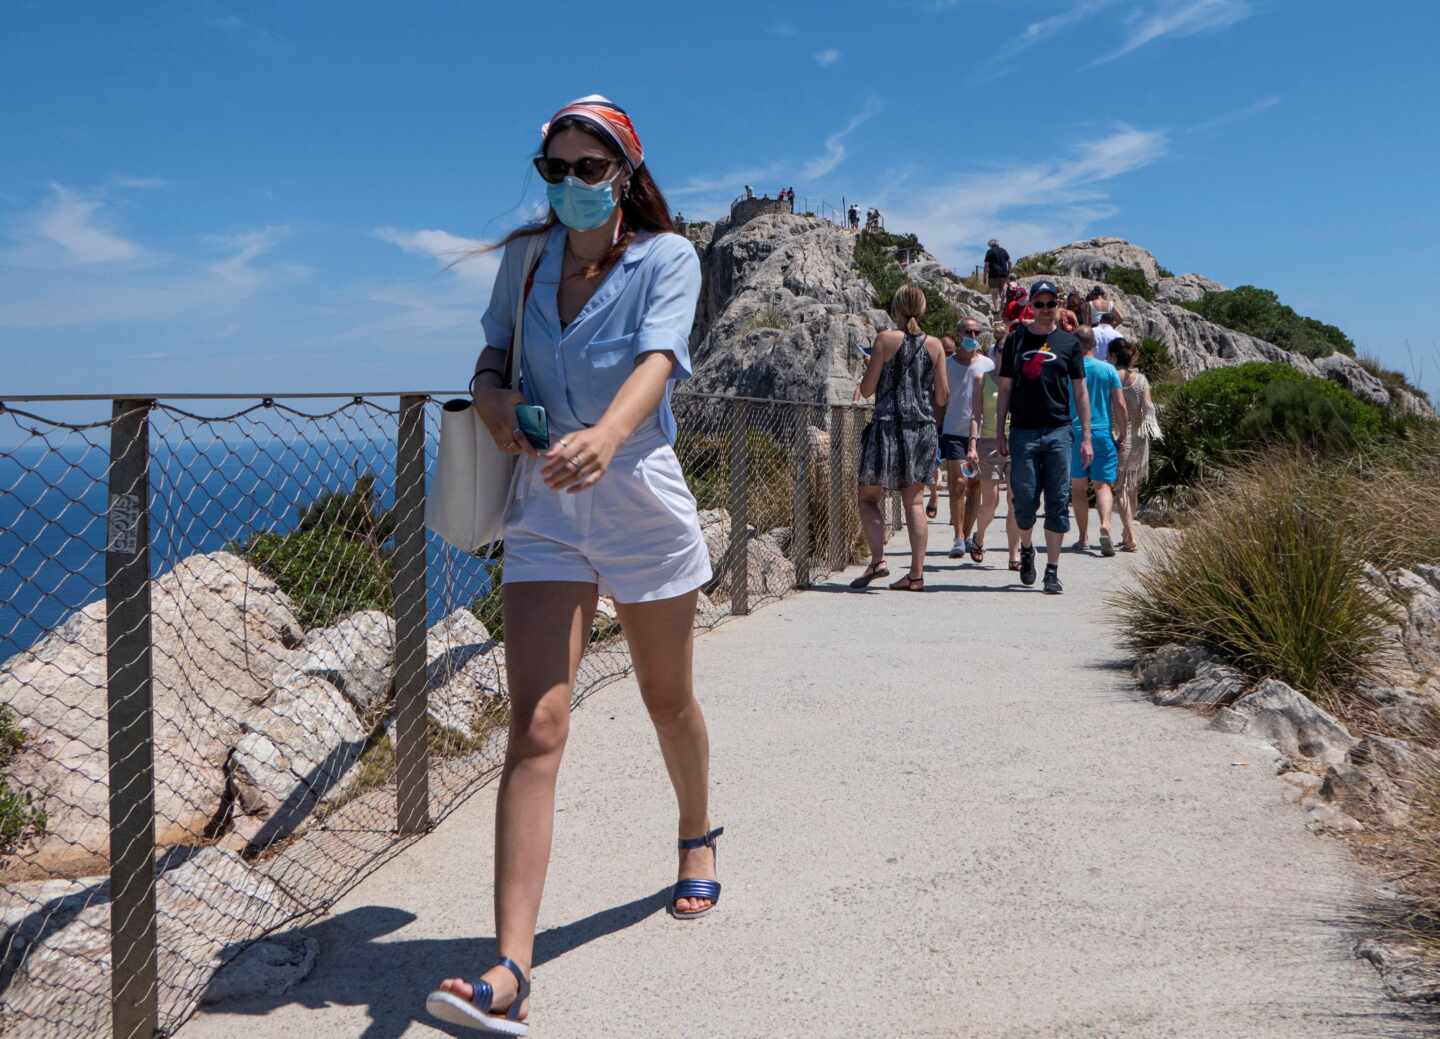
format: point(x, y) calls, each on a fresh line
point(474, 481)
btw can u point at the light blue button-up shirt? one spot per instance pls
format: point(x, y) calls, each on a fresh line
point(645, 304)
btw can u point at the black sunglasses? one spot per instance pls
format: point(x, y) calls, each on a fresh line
point(588, 168)
point(1045, 306)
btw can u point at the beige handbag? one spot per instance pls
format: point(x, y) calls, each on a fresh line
point(473, 482)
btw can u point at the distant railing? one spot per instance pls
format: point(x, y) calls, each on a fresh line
point(239, 673)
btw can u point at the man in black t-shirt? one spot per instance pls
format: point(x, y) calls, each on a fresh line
point(997, 270)
point(1041, 370)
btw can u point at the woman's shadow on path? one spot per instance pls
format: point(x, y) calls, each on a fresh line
point(354, 968)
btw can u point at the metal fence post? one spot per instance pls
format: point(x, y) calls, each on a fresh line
point(800, 507)
point(836, 552)
point(740, 511)
point(134, 985)
point(412, 751)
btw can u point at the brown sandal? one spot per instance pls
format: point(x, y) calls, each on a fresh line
point(1014, 564)
point(873, 572)
point(909, 584)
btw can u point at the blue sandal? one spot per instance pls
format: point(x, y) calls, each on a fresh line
point(475, 1011)
point(707, 889)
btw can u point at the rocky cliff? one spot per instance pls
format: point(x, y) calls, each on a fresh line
point(785, 312)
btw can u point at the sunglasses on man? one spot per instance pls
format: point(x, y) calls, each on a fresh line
point(588, 168)
point(1045, 306)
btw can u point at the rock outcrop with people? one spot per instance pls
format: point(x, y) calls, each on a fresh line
point(785, 312)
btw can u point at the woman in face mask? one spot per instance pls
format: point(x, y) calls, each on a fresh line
point(604, 509)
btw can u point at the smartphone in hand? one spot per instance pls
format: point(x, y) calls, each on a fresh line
point(533, 424)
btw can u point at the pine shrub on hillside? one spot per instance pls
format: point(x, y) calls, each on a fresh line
point(1259, 312)
point(1040, 263)
point(1131, 280)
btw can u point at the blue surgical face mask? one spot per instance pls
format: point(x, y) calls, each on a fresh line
point(970, 344)
point(581, 206)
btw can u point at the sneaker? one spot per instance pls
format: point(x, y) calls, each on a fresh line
point(1027, 565)
point(1052, 581)
point(1107, 547)
point(958, 549)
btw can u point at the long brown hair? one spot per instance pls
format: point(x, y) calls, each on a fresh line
point(642, 204)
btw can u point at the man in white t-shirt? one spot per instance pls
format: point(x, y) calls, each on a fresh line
point(1106, 331)
point(966, 368)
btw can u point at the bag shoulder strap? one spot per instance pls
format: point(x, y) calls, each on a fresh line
point(534, 250)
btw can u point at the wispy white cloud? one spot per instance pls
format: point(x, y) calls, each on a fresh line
point(1178, 18)
point(828, 57)
point(66, 267)
point(449, 251)
point(827, 163)
point(1027, 205)
point(72, 221)
point(782, 28)
point(726, 183)
point(1224, 119)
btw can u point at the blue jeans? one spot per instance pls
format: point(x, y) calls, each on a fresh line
point(1040, 461)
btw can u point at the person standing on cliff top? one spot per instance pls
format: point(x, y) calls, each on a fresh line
point(997, 271)
point(1041, 370)
point(854, 216)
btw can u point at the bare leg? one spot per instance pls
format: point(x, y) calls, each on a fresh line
point(1053, 541)
point(972, 504)
point(661, 638)
point(1105, 505)
point(546, 627)
point(1012, 529)
point(989, 502)
point(1127, 504)
point(919, 528)
point(872, 522)
point(1081, 505)
point(957, 496)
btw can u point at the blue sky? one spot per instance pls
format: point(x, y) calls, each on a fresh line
point(210, 196)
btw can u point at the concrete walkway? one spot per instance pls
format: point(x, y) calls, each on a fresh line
point(946, 814)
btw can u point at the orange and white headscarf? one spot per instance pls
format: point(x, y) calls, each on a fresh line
point(607, 117)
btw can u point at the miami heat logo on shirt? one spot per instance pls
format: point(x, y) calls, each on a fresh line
point(1032, 361)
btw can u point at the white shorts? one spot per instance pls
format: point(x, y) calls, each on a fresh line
point(635, 534)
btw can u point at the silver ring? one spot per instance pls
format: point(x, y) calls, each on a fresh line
point(572, 464)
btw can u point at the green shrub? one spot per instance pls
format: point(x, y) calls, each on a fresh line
point(705, 459)
point(1209, 426)
point(326, 574)
point(1392, 379)
point(1040, 263)
point(1259, 312)
point(875, 253)
point(765, 317)
point(350, 513)
point(940, 316)
point(1164, 272)
point(19, 814)
point(1131, 280)
point(1153, 358)
point(490, 606)
point(1271, 575)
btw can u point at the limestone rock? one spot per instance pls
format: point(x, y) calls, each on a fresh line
point(783, 312)
point(1186, 288)
point(1404, 969)
point(464, 670)
point(1348, 373)
point(1402, 761)
point(771, 573)
point(715, 529)
point(1297, 727)
point(298, 749)
point(209, 902)
point(268, 968)
point(1094, 257)
point(1214, 683)
point(219, 630)
point(1410, 711)
point(1364, 793)
point(1169, 666)
point(1419, 599)
point(356, 655)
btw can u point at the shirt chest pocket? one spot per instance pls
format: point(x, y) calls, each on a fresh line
point(596, 374)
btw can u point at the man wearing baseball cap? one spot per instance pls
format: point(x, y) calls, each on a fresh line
point(1042, 369)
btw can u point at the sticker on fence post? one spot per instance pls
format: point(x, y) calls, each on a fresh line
point(124, 524)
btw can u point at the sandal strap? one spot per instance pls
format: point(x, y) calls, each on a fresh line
point(707, 841)
point(707, 889)
point(481, 994)
point(522, 991)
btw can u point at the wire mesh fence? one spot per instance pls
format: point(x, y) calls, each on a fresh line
point(238, 674)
